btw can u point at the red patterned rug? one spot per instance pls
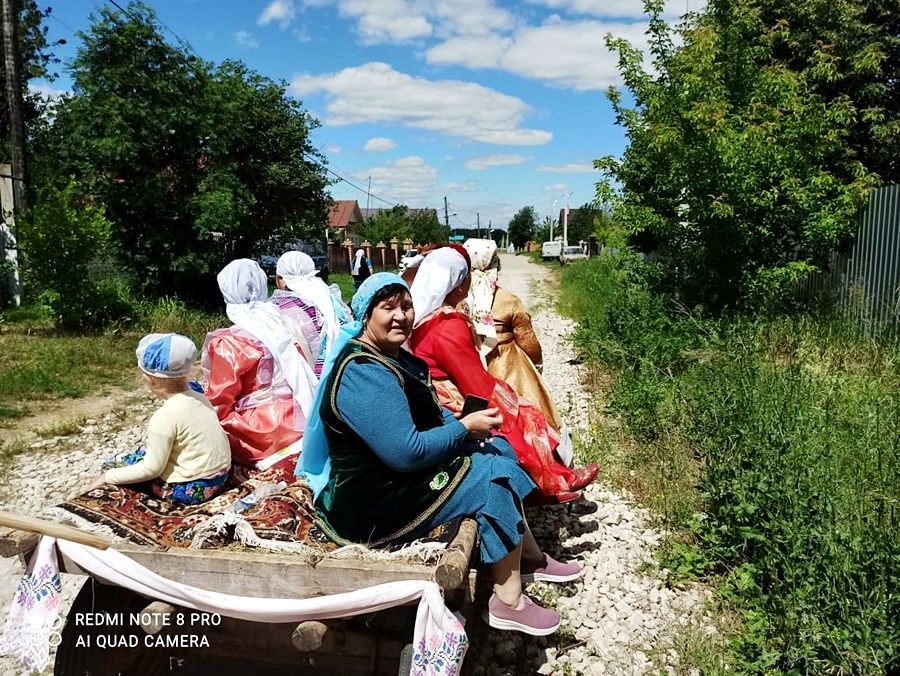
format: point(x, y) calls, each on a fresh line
point(144, 519)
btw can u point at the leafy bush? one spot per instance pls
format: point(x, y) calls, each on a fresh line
point(62, 236)
point(791, 426)
point(737, 170)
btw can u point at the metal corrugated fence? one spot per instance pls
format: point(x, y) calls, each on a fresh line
point(866, 279)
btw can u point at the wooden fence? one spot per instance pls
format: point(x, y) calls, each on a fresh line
point(384, 256)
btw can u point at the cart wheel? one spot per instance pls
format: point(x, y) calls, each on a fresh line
point(79, 655)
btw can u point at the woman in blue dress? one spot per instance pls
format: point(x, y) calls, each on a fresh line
point(386, 463)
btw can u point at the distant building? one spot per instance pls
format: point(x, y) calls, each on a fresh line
point(343, 220)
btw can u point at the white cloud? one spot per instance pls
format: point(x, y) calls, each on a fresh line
point(619, 8)
point(301, 34)
point(468, 186)
point(495, 160)
point(564, 54)
point(470, 51)
point(280, 11)
point(379, 144)
point(409, 179)
point(375, 92)
point(381, 21)
point(398, 21)
point(246, 40)
point(471, 17)
point(333, 150)
point(570, 168)
point(47, 91)
point(555, 188)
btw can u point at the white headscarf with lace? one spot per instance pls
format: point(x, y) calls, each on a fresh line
point(299, 274)
point(481, 293)
point(442, 271)
point(245, 289)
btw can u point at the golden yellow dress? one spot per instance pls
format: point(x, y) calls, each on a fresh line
point(517, 352)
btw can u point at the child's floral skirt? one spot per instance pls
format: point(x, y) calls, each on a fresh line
point(183, 493)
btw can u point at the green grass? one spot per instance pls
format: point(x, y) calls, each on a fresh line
point(345, 283)
point(39, 363)
point(770, 448)
point(10, 449)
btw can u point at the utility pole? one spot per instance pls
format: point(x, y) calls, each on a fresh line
point(446, 216)
point(566, 219)
point(490, 230)
point(369, 196)
point(478, 224)
point(16, 139)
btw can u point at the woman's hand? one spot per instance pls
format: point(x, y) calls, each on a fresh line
point(481, 424)
point(97, 482)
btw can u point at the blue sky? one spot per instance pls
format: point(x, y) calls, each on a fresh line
point(494, 104)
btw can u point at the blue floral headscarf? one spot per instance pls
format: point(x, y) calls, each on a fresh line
point(315, 462)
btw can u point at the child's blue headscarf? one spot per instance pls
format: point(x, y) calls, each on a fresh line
point(315, 462)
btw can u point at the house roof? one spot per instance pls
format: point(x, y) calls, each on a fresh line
point(344, 213)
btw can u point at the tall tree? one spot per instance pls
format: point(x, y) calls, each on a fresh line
point(849, 49)
point(737, 170)
point(583, 222)
point(543, 229)
point(195, 164)
point(522, 226)
point(37, 61)
point(419, 225)
point(386, 224)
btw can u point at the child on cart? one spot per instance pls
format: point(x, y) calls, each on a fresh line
point(186, 456)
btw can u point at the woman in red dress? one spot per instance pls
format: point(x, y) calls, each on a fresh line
point(258, 380)
point(445, 339)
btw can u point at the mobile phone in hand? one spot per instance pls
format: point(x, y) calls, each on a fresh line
point(472, 404)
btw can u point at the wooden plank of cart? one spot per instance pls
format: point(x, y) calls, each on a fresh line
point(374, 644)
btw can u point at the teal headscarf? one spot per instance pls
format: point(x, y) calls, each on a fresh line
point(315, 462)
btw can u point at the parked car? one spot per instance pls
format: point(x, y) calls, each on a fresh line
point(571, 253)
point(551, 250)
point(269, 262)
point(405, 258)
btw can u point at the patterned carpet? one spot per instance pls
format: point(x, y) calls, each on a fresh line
point(287, 516)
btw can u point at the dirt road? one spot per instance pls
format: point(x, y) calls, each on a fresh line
point(618, 619)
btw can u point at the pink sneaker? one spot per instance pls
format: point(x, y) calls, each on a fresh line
point(531, 619)
point(549, 570)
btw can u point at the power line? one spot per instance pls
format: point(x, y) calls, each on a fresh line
point(64, 25)
point(362, 190)
point(184, 43)
point(466, 226)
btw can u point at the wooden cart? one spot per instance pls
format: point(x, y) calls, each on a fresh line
point(373, 644)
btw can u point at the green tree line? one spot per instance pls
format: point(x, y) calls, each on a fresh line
point(170, 165)
point(754, 140)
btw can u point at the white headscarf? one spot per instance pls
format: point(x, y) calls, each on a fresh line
point(360, 255)
point(299, 274)
point(481, 293)
point(245, 290)
point(442, 271)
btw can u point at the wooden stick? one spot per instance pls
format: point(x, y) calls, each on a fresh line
point(453, 567)
point(57, 530)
